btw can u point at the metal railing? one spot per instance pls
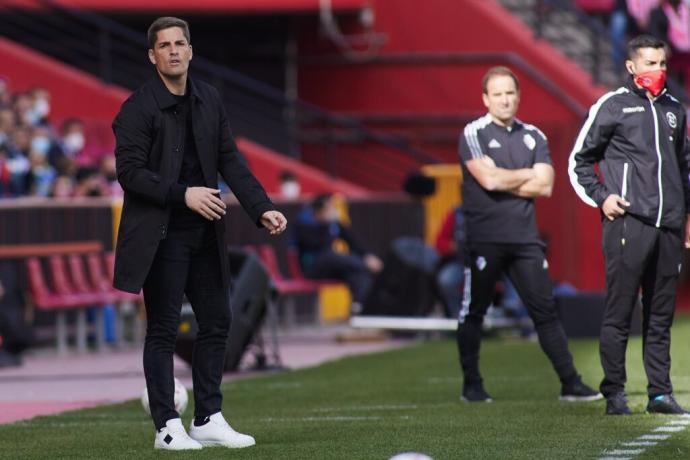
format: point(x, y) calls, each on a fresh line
point(117, 54)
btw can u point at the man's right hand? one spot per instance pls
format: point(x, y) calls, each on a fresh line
point(205, 201)
point(614, 206)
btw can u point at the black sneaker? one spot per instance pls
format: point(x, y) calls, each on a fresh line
point(665, 404)
point(578, 391)
point(617, 405)
point(475, 393)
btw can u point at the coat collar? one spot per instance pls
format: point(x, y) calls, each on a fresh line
point(165, 99)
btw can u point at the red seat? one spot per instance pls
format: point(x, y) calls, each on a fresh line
point(84, 285)
point(284, 286)
point(63, 285)
point(43, 297)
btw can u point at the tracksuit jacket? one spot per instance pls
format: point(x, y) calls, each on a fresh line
point(640, 145)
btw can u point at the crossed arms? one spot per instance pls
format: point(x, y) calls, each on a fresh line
point(533, 182)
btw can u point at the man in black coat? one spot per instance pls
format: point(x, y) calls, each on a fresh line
point(173, 138)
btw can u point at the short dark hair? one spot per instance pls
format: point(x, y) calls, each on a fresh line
point(644, 41)
point(498, 71)
point(166, 22)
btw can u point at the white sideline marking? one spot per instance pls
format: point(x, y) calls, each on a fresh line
point(645, 440)
point(679, 422)
point(625, 452)
point(339, 418)
point(669, 429)
point(659, 437)
point(367, 408)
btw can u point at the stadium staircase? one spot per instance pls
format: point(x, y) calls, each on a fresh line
point(582, 38)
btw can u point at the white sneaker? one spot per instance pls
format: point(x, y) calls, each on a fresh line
point(173, 437)
point(217, 432)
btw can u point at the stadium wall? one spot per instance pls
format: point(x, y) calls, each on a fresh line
point(391, 83)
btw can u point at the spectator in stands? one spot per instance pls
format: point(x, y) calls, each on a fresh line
point(63, 187)
point(20, 147)
point(72, 141)
point(5, 174)
point(41, 175)
point(5, 97)
point(109, 173)
point(670, 22)
point(450, 244)
point(40, 108)
point(317, 229)
point(22, 104)
point(289, 185)
point(7, 124)
point(506, 166)
point(90, 183)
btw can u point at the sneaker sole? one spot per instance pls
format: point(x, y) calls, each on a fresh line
point(222, 444)
point(573, 398)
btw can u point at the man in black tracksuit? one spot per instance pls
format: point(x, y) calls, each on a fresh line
point(637, 135)
point(506, 164)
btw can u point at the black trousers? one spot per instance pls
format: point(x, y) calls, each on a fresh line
point(347, 267)
point(187, 262)
point(527, 268)
point(637, 256)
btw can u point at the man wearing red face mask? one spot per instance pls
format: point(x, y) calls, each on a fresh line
point(637, 135)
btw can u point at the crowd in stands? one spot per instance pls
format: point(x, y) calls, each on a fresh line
point(668, 20)
point(40, 159)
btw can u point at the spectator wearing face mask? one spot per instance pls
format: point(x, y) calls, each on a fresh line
point(41, 176)
point(18, 162)
point(40, 108)
point(289, 185)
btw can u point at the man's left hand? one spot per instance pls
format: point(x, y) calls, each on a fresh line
point(274, 221)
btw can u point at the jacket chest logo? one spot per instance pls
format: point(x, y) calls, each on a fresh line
point(494, 144)
point(671, 119)
point(639, 108)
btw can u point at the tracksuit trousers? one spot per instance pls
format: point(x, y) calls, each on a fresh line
point(639, 255)
point(526, 266)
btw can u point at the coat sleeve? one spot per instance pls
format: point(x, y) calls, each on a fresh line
point(133, 142)
point(589, 149)
point(235, 171)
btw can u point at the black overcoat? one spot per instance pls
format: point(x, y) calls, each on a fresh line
point(149, 134)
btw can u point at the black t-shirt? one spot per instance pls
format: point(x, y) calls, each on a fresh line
point(500, 217)
point(190, 172)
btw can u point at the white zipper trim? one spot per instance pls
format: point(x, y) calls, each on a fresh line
point(658, 154)
point(624, 188)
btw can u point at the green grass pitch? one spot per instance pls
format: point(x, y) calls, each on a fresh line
point(374, 406)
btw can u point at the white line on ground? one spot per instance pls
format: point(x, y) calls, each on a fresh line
point(625, 452)
point(319, 419)
point(657, 437)
point(679, 422)
point(367, 408)
point(614, 458)
point(669, 429)
point(639, 443)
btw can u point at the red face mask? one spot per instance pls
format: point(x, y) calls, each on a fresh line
point(653, 81)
